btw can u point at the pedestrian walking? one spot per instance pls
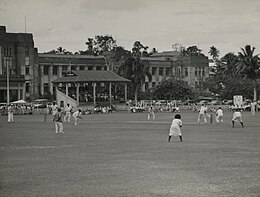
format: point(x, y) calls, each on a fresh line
point(77, 115)
point(57, 119)
point(219, 116)
point(10, 113)
point(68, 110)
point(203, 113)
point(175, 129)
point(237, 117)
point(151, 113)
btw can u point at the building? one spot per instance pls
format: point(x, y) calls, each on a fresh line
point(193, 69)
point(31, 73)
point(53, 66)
point(17, 53)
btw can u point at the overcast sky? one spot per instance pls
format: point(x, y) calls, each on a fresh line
point(226, 24)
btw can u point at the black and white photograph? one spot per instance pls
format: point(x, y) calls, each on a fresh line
point(129, 98)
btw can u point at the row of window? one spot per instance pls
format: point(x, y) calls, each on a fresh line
point(199, 71)
point(8, 52)
point(65, 69)
point(178, 71)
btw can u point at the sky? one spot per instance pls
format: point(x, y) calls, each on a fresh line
point(226, 24)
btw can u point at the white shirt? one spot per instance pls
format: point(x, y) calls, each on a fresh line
point(219, 112)
point(68, 108)
point(177, 123)
point(203, 110)
point(77, 114)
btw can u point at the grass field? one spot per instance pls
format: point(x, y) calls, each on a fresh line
point(124, 154)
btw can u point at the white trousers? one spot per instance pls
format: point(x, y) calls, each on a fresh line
point(219, 119)
point(151, 114)
point(10, 117)
point(204, 118)
point(58, 127)
point(67, 116)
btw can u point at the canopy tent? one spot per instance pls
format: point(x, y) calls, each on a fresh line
point(91, 76)
point(19, 102)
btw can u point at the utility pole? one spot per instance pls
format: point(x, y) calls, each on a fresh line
point(7, 81)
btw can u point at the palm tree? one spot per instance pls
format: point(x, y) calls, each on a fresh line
point(214, 52)
point(228, 65)
point(136, 70)
point(249, 65)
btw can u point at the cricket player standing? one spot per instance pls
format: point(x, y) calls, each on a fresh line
point(219, 115)
point(68, 109)
point(203, 113)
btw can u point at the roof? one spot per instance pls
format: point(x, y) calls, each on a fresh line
point(85, 76)
point(70, 56)
point(167, 54)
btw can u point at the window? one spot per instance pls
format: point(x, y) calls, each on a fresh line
point(153, 84)
point(27, 70)
point(177, 71)
point(186, 72)
point(73, 67)
point(99, 68)
point(196, 71)
point(45, 70)
point(46, 87)
point(153, 70)
point(146, 85)
point(64, 70)
point(27, 87)
point(7, 52)
point(26, 52)
point(203, 71)
point(105, 68)
point(90, 67)
point(82, 68)
point(199, 71)
point(160, 71)
point(168, 71)
point(54, 70)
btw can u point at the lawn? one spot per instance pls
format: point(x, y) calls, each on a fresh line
point(124, 154)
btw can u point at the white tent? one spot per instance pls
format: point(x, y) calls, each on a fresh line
point(19, 102)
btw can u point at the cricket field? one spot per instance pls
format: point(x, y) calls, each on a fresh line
point(124, 154)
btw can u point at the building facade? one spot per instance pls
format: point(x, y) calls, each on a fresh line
point(19, 57)
point(53, 66)
point(193, 69)
point(31, 73)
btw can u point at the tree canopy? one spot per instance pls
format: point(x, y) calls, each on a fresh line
point(172, 88)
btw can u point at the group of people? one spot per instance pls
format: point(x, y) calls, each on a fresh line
point(237, 116)
point(175, 129)
point(60, 116)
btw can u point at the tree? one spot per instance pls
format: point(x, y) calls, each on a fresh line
point(139, 49)
point(214, 52)
point(192, 50)
point(227, 66)
point(173, 88)
point(59, 50)
point(100, 44)
point(249, 66)
point(136, 69)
